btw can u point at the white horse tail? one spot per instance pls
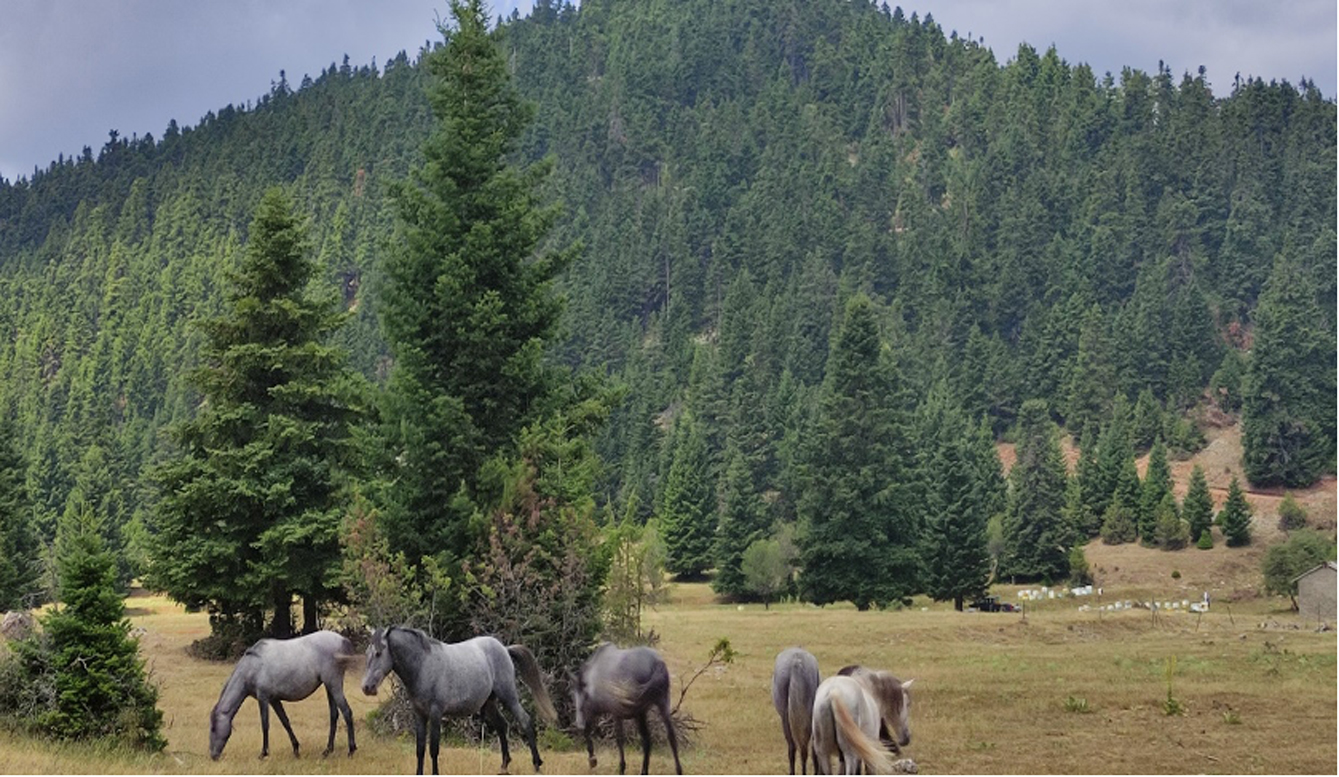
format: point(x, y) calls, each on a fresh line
point(869, 749)
point(527, 668)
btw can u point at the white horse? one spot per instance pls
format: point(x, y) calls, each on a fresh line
point(846, 723)
point(279, 670)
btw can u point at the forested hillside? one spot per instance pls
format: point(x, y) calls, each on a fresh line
point(749, 181)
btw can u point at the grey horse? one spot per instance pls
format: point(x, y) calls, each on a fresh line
point(894, 700)
point(279, 670)
point(624, 684)
point(464, 678)
point(794, 682)
point(846, 724)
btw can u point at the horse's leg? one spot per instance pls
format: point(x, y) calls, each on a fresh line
point(668, 717)
point(264, 726)
point(495, 721)
point(590, 743)
point(334, 721)
point(420, 739)
point(435, 741)
point(618, 737)
point(523, 720)
point(283, 718)
point(348, 721)
point(645, 731)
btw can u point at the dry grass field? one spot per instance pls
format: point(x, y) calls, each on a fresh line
point(1053, 690)
point(994, 693)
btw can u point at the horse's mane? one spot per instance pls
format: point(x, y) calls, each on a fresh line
point(886, 689)
point(424, 640)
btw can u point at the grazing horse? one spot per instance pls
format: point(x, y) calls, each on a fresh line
point(463, 678)
point(894, 699)
point(846, 723)
point(279, 670)
point(624, 684)
point(794, 683)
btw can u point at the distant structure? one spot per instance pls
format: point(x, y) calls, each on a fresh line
point(1316, 592)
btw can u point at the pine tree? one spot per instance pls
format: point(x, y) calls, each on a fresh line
point(1157, 484)
point(1288, 408)
point(1235, 517)
point(1037, 540)
point(957, 501)
point(250, 510)
point(1197, 507)
point(743, 521)
point(20, 565)
point(688, 507)
point(101, 689)
point(858, 535)
point(1169, 531)
point(466, 307)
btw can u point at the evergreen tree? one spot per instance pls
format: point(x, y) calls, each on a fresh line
point(858, 535)
point(1235, 517)
point(20, 565)
point(1089, 481)
point(250, 510)
point(1197, 507)
point(1037, 540)
point(743, 521)
point(957, 501)
point(1090, 377)
point(467, 306)
point(1157, 484)
point(1291, 514)
point(1169, 531)
point(1146, 422)
point(1288, 408)
point(688, 506)
point(101, 688)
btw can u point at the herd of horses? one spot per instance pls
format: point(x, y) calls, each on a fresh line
point(859, 715)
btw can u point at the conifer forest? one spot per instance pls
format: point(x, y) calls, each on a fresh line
point(437, 339)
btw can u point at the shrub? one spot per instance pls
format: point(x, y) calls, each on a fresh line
point(1079, 571)
point(1291, 514)
point(1206, 540)
point(1284, 562)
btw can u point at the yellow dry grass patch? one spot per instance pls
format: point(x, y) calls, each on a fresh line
point(990, 694)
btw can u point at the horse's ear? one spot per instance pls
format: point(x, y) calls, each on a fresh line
point(907, 685)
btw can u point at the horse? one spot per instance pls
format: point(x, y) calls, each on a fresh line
point(846, 723)
point(794, 682)
point(279, 670)
point(463, 678)
point(624, 684)
point(894, 699)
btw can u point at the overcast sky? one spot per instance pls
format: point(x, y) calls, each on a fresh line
point(72, 70)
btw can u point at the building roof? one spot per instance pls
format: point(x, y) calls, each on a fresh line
point(1327, 564)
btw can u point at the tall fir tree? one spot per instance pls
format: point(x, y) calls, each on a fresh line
point(20, 548)
point(250, 508)
point(743, 520)
point(467, 306)
point(688, 503)
point(858, 535)
point(1235, 517)
point(1037, 541)
point(1197, 507)
point(1157, 484)
point(1288, 407)
point(958, 501)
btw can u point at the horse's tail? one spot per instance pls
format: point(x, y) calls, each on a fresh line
point(527, 668)
point(870, 750)
point(347, 656)
point(800, 708)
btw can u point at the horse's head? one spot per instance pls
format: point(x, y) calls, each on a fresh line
point(220, 728)
point(902, 711)
point(379, 662)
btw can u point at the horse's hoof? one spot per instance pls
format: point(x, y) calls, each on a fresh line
point(593, 762)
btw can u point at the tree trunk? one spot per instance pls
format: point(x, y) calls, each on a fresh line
point(957, 602)
point(282, 625)
point(309, 614)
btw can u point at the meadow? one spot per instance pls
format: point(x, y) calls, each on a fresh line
point(1050, 690)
